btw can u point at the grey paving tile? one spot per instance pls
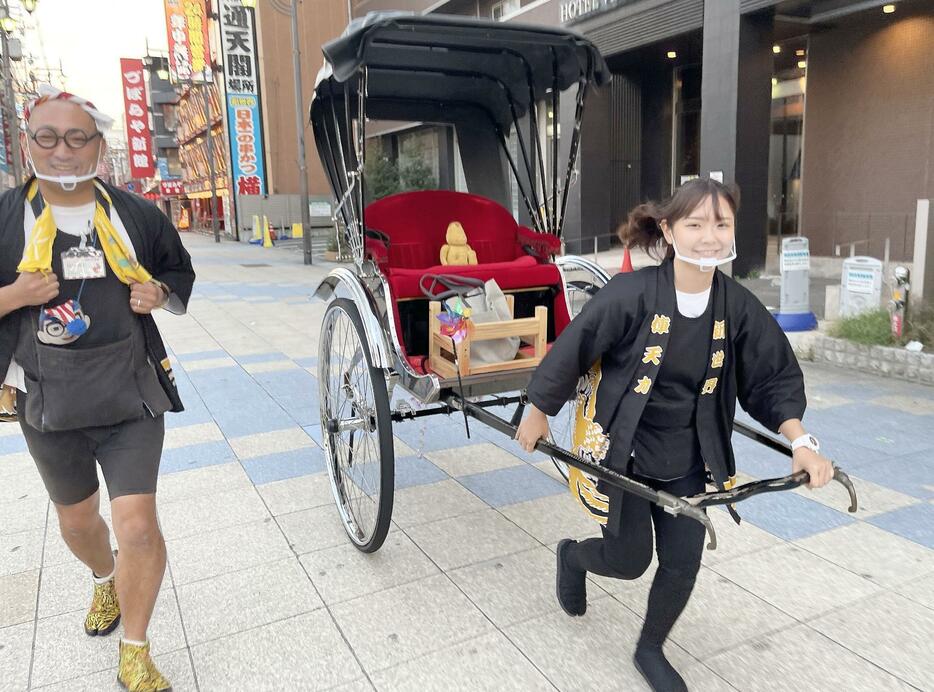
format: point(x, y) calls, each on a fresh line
point(209, 512)
point(237, 601)
point(192, 434)
point(265, 443)
point(873, 499)
point(294, 494)
point(313, 529)
point(716, 605)
point(490, 662)
point(226, 550)
point(873, 553)
point(63, 651)
point(515, 587)
point(920, 590)
point(15, 654)
point(396, 625)
point(196, 483)
point(889, 630)
point(18, 594)
point(175, 666)
point(802, 660)
point(165, 629)
point(427, 503)
point(549, 519)
point(306, 652)
point(699, 677)
point(66, 587)
point(593, 652)
point(343, 572)
point(471, 459)
point(22, 485)
point(470, 538)
point(735, 540)
point(21, 551)
point(799, 583)
point(24, 514)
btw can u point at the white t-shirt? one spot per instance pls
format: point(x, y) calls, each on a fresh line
point(75, 221)
point(692, 304)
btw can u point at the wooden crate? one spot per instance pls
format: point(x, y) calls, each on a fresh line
point(441, 348)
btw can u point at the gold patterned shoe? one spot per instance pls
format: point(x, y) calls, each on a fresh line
point(104, 615)
point(137, 672)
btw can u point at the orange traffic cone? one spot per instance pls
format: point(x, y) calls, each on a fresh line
point(627, 262)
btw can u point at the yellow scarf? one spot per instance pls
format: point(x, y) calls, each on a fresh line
point(37, 256)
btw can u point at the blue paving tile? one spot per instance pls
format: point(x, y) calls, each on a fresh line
point(261, 357)
point(192, 415)
point(257, 419)
point(411, 471)
point(878, 428)
point(309, 362)
point(196, 456)
point(912, 474)
point(755, 459)
point(12, 444)
point(201, 355)
point(511, 485)
point(916, 523)
point(436, 436)
point(277, 467)
point(314, 432)
point(790, 516)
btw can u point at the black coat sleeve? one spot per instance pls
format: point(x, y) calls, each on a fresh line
point(602, 323)
point(769, 381)
point(171, 263)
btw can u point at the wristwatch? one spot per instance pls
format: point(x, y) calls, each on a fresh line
point(808, 441)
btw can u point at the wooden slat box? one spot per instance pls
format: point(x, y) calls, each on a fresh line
point(441, 348)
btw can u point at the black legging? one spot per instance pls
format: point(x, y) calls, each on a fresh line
point(679, 543)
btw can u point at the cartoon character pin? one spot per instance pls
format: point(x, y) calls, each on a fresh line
point(62, 324)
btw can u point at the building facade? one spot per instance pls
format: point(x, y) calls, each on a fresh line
point(819, 110)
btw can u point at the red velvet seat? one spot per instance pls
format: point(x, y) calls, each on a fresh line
point(416, 224)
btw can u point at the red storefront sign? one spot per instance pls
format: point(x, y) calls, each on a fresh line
point(138, 135)
point(186, 23)
point(172, 188)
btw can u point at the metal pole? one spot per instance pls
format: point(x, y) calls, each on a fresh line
point(207, 117)
point(300, 133)
point(9, 99)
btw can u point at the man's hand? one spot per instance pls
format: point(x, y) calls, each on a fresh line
point(144, 298)
point(34, 288)
point(819, 468)
point(532, 429)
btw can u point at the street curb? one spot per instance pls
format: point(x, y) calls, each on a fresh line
point(884, 361)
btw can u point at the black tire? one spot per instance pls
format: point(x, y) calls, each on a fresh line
point(352, 391)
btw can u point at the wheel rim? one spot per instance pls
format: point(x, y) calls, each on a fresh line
point(560, 431)
point(349, 426)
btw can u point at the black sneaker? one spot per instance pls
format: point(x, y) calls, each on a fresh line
point(570, 584)
point(661, 676)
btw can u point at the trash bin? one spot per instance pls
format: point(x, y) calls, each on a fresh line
point(794, 312)
point(860, 285)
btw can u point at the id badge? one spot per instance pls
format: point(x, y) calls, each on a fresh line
point(83, 263)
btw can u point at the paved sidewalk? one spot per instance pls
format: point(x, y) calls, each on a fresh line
point(264, 592)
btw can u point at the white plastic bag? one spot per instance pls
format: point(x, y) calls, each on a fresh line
point(491, 306)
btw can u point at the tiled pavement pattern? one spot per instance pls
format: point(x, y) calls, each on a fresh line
point(265, 593)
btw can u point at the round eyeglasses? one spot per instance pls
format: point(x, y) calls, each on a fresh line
point(47, 138)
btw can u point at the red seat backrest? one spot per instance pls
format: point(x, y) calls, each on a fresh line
point(416, 223)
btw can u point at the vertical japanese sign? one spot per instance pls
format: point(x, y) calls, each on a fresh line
point(135, 103)
point(186, 23)
point(244, 115)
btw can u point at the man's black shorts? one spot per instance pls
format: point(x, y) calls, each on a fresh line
point(128, 453)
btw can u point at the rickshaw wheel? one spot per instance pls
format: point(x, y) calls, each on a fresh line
point(562, 426)
point(356, 427)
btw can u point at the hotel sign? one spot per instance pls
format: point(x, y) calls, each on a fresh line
point(575, 9)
